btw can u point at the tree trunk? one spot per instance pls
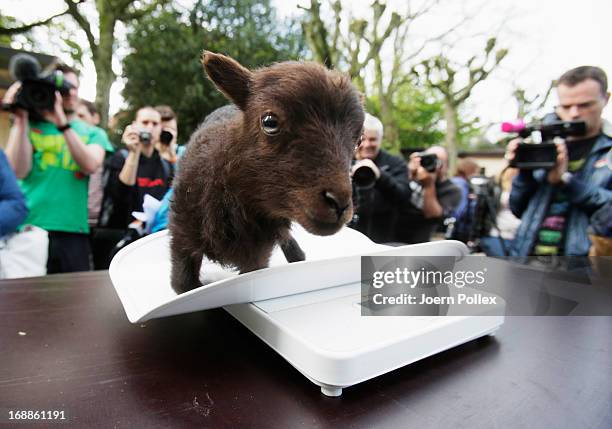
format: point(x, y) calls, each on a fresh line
point(103, 86)
point(390, 132)
point(103, 60)
point(450, 114)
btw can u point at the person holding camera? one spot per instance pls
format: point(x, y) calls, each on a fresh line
point(555, 205)
point(139, 170)
point(433, 197)
point(379, 185)
point(53, 153)
point(167, 144)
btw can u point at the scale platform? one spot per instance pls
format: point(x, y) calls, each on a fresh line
point(309, 312)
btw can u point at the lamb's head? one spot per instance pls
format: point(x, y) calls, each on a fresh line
point(300, 126)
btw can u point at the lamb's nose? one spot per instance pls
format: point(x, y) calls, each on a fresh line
point(335, 203)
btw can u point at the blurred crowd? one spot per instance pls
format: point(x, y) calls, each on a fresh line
point(69, 201)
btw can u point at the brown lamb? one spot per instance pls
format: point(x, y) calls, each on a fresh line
point(282, 154)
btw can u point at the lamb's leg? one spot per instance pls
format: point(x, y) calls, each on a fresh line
point(256, 259)
point(185, 270)
point(292, 250)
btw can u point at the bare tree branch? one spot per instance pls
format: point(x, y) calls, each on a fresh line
point(28, 27)
point(84, 24)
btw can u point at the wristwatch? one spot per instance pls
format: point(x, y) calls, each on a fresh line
point(64, 127)
point(566, 177)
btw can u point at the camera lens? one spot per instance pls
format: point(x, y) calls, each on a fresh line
point(145, 137)
point(165, 137)
point(364, 177)
point(429, 161)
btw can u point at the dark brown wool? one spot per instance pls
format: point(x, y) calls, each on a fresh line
point(282, 155)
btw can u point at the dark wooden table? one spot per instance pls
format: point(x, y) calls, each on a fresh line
point(65, 344)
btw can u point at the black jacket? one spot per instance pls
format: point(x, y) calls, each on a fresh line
point(376, 209)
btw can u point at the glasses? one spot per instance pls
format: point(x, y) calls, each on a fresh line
point(580, 106)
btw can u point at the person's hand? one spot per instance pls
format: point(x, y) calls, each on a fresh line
point(21, 115)
point(366, 162)
point(57, 116)
point(418, 173)
point(131, 139)
point(511, 149)
point(554, 175)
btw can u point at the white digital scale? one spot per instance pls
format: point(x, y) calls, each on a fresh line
point(309, 312)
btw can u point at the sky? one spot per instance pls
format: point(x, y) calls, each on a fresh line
point(544, 38)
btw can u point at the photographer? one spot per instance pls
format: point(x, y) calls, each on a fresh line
point(433, 198)
point(555, 205)
point(53, 152)
point(379, 185)
point(138, 171)
point(167, 145)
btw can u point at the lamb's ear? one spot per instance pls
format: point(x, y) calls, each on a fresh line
point(229, 76)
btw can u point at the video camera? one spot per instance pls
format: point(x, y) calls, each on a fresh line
point(543, 152)
point(486, 193)
point(480, 215)
point(37, 92)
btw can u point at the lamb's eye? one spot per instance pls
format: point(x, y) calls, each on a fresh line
point(269, 124)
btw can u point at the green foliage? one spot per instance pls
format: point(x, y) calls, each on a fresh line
point(470, 134)
point(416, 112)
point(68, 44)
point(8, 22)
point(419, 114)
point(164, 65)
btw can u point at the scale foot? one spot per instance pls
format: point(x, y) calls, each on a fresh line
point(331, 391)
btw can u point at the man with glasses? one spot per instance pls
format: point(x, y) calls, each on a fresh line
point(555, 205)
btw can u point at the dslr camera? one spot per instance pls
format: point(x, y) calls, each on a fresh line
point(364, 177)
point(543, 152)
point(363, 181)
point(165, 137)
point(429, 161)
point(37, 92)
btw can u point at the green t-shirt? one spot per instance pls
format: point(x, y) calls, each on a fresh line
point(55, 189)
